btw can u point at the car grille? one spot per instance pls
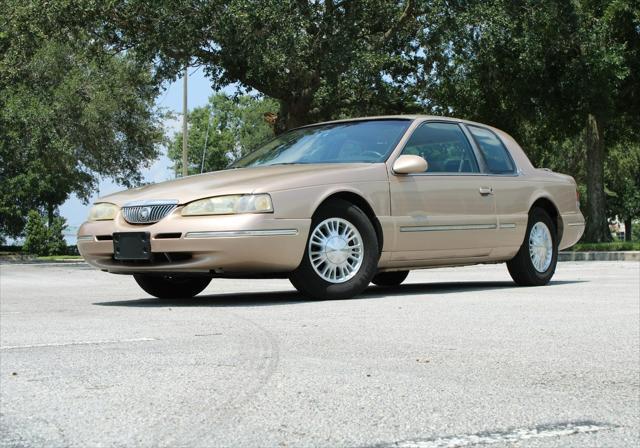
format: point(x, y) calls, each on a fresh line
point(147, 213)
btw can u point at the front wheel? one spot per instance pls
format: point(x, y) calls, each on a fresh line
point(341, 255)
point(535, 262)
point(172, 286)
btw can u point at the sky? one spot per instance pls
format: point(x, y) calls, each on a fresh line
point(199, 90)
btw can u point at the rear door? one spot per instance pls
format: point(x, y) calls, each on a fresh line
point(447, 212)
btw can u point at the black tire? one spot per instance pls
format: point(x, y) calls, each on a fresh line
point(306, 280)
point(393, 278)
point(172, 286)
point(521, 267)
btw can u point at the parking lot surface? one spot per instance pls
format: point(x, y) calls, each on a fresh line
point(454, 357)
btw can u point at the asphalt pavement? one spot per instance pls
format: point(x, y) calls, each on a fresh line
point(454, 357)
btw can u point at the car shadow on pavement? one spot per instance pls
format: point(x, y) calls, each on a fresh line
point(270, 298)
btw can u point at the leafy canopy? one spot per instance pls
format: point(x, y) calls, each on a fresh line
point(318, 59)
point(68, 115)
point(225, 129)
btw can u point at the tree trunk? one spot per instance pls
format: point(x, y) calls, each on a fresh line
point(50, 214)
point(597, 229)
point(294, 112)
point(627, 229)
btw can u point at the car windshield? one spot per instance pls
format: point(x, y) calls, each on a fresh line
point(347, 142)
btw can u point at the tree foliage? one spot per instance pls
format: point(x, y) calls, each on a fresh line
point(623, 181)
point(42, 238)
point(318, 59)
point(557, 75)
point(227, 127)
point(67, 116)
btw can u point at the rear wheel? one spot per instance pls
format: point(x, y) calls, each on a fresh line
point(341, 255)
point(172, 286)
point(535, 262)
point(390, 278)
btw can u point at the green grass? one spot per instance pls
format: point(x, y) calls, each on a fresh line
point(606, 247)
point(60, 257)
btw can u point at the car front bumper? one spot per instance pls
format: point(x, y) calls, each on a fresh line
point(228, 244)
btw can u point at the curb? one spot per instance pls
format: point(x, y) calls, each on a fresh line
point(632, 255)
point(33, 261)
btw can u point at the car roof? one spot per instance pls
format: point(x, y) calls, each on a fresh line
point(400, 117)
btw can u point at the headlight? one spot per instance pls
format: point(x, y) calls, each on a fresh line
point(103, 212)
point(227, 205)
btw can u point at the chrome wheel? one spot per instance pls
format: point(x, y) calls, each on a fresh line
point(336, 250)
point(540, 246)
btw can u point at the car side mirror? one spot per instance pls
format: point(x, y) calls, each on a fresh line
point(409, 164)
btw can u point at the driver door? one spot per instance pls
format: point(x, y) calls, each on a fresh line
point(447, 212)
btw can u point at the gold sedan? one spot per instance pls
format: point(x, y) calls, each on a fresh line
point(338, 205)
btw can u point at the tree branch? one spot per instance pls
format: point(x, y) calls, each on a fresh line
point(407, 14)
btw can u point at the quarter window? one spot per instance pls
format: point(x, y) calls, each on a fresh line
point(445, 148)
point(495, 154)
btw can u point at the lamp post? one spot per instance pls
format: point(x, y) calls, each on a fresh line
point(185, 130)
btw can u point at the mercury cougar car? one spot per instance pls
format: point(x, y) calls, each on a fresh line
point(336, 206)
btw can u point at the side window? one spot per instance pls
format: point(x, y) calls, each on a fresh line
point(445, 148)
point(493, 151)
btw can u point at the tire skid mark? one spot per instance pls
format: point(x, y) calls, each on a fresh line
point(257, 364)
point(269, 358)
point(12, 427)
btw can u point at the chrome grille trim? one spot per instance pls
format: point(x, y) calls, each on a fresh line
point(147, 212)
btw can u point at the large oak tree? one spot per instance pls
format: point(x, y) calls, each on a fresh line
point(318, 59)
point(67, 115)
point(552, 73)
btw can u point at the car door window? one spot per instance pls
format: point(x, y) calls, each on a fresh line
point(444, 146)
point(495, 154)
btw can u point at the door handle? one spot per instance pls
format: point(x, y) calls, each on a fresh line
point(486, 191)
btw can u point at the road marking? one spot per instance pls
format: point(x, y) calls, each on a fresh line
point(64, 344)
point(509, 436)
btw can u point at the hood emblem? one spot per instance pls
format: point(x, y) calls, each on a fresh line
point(144, 213)
point(148, 212)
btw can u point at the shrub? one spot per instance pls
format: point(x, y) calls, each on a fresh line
point(41, 239)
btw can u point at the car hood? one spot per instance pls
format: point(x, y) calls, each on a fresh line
point(263, 179)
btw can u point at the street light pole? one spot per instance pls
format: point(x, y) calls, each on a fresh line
point(185, 129)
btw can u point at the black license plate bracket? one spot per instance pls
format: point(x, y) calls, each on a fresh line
point(132, 246)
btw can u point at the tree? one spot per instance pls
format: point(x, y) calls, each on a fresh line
point(67, 116)
point(318, 59)
point(42, 238)
point(623, 174)
point(228, 127)
point(547, 72)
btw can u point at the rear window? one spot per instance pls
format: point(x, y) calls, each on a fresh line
point(495, 154)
